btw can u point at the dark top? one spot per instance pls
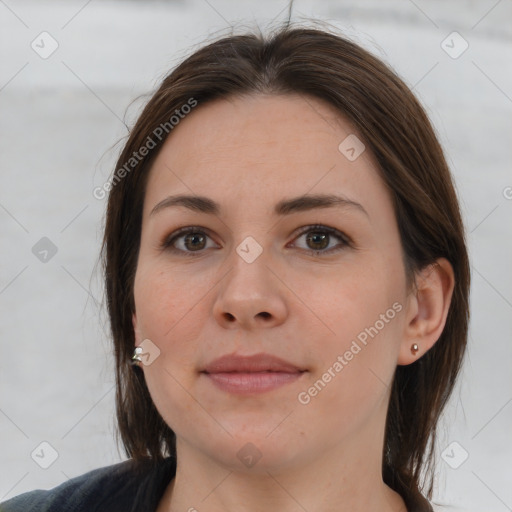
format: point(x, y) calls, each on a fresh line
point(122, 487)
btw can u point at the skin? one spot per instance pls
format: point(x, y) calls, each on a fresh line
point(248, 154)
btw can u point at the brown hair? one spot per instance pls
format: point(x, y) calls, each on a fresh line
point(396, 129)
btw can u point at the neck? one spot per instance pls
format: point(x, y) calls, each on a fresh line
point(349, 483)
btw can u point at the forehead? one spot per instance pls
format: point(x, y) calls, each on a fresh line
point(262, 147)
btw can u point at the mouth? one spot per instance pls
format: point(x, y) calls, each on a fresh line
point(251, 374)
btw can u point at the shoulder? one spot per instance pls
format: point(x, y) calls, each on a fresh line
point(109, 488)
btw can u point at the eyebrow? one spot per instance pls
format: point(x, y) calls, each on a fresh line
point(303, 203)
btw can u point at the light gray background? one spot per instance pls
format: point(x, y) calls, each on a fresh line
point(59, 116)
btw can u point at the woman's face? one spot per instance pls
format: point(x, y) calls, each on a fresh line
point(256, 277)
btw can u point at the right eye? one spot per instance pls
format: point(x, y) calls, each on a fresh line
point(188, 240)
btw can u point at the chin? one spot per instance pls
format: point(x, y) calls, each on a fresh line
point(255, 451)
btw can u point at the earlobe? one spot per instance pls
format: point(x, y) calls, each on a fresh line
point(429, 303)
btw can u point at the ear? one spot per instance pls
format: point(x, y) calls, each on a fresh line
point(427, 309)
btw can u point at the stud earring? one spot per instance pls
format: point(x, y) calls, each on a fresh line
point(136, 359)
point(414, 349)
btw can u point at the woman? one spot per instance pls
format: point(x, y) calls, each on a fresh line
point(287, 282)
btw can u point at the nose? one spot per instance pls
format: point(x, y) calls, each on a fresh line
point(250, 296)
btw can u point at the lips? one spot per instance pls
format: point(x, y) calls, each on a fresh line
point(251, 364)
point(249, 375)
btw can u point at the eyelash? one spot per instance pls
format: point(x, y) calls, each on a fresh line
point(168, 242)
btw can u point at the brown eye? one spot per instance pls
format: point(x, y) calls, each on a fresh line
point(194, 241)
point(317, 240)
point(322, 240)
point(187, 241)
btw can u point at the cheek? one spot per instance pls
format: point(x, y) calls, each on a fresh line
point(364, 314)
point(162, 303)
point(352, 299)
point(170, 312)
point(164, 300)
point(355, 369)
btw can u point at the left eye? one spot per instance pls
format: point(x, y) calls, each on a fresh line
point(319, 238)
